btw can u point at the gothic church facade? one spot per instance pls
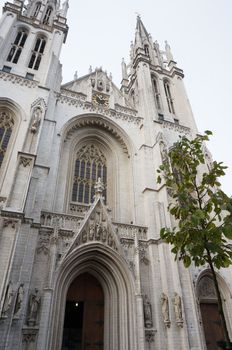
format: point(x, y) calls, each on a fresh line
point(82, 265)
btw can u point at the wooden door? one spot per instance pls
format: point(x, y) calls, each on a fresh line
point(84, 315)
point(212, 325)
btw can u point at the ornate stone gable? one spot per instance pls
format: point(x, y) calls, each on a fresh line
point(96, 227)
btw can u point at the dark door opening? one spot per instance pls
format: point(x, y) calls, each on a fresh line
point(84, 315)
point(73, 326)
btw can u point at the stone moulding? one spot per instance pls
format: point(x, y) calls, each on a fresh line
point(120, 112)
point(16, 79)
point(176, 127)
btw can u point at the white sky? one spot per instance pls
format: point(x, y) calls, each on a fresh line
point(200, 35)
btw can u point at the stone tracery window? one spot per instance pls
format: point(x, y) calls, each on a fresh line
point(17, 46)
point(37, 53)
point(6, 128)
point(90, 164)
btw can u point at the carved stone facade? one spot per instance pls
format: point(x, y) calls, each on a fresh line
point(78, 192)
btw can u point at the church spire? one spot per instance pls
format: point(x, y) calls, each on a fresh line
point(141, 30)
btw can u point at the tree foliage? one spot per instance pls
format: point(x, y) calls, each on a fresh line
point(202, 210)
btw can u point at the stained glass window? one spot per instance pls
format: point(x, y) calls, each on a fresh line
point(6, 127)
point(90, 164)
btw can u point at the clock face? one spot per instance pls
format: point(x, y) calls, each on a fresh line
point(101, 99)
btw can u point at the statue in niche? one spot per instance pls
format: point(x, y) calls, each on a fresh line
point(91, 232)
point(7, 301)
point(34, 304)
point(165, 309)
point(178, 309)
point(98, 232)
point(19, 301)
point(104, 233)
point(147, 312)
point(36, 120)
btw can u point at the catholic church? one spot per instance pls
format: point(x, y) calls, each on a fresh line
point(82, 265)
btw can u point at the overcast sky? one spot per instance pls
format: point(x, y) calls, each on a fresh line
point(200, 35)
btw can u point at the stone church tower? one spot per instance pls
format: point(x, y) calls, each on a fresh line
point(82, 265)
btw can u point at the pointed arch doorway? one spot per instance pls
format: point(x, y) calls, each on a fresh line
point(84, 315)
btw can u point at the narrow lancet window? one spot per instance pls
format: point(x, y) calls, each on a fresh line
point(6, 128)
point(47, 15)
point(90, 164)
point(17, 46)
point(156, 93)
point(37, 53)
point(37, 9)
point(169, 97)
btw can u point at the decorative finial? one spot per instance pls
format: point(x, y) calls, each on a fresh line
point(65, 7)
point(75, 75)
point(168, 52)
point(99, 188)
point(90, 69)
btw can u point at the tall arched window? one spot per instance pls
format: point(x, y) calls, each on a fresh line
point(17, 46)
point(37, 53)
point(6, 128)
point(169, 97)
point(156, 92)
point(90, 164)
point(146, 49)
point(47, 15)
point(37, 9)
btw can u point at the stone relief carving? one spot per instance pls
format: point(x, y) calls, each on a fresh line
point(44, 243)
point(29, 335)
point(7, 301)
point(2, 202)
point(165, 309)
point(177, 303)
point(25, 162)
point(9, 223)
point(14, 79)
point(18, 302)
point(34, 305)
point(143, 253)
point(147, 312)
point(150, 335)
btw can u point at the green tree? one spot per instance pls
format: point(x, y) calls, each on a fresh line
point(202, 211)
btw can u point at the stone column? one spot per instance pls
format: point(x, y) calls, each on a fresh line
point(21, 181)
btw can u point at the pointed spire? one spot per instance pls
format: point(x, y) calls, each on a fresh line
point(141, 30)
point(65, 7)
point(124, 70)
point(168, 52)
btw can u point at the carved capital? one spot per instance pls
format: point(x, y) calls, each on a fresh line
point(9, 223)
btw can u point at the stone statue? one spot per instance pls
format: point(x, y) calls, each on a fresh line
point(19, 301)
point(34, 304)
point(91, 232)
point(178, 308)
point(36, 119)
point(168, 52)
point(147, 312)
point(104, 233)
point(65, 7)
point(165, 309)
point(98, 232)
point(7, 301)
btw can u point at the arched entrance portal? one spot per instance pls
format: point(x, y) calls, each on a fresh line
point(84, 315)
point(209, 312)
